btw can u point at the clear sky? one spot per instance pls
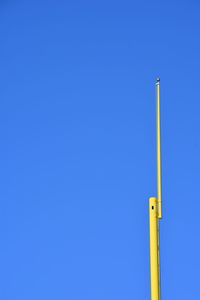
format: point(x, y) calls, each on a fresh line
point(78, 148)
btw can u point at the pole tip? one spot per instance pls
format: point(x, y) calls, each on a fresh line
point(157, 80)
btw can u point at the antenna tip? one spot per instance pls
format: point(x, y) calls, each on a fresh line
point(158, 80)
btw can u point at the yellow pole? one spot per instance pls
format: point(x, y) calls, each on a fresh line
point(154, 250)
point(155, 214)
point(159, 171)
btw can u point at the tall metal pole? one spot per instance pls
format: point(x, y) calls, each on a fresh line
point(155, 214)
point(159, 162)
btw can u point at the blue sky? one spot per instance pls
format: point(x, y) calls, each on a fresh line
point(78, 148)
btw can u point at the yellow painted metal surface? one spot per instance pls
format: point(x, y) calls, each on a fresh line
point(155, 214)
point(154, 249)
point(159, 163)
